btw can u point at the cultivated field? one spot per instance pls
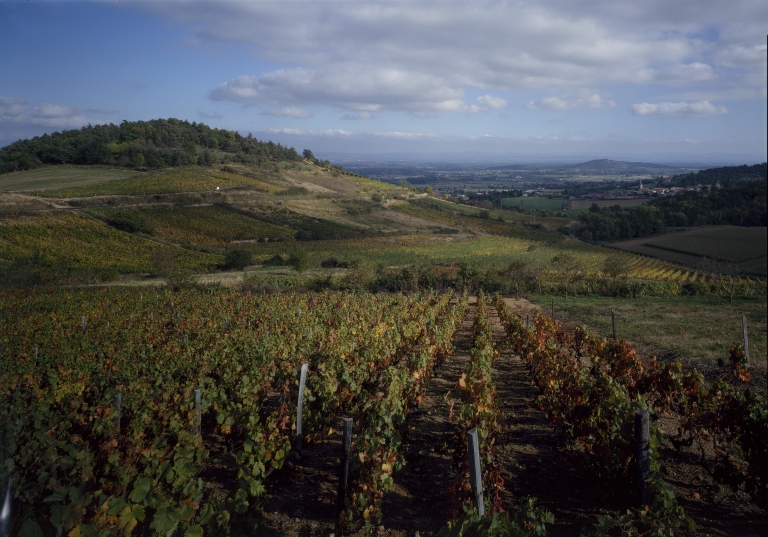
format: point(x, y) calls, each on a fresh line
point(745, 246)
point(586, 204)
point(62, 177)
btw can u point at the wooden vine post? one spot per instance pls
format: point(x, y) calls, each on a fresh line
point(346, 445)
point(475, 473)
point(613, 323)
point(302, 382)
point(642, 444)
point(527, 322)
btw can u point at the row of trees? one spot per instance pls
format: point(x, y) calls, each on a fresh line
point(743, 205)
point(154, 144)
point(726, 175)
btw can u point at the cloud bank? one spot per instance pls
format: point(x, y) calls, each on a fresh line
point(366, 57)
point(681, 109)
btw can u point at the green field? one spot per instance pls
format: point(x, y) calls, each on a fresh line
point(743, 245)
point(63, 176)
point(192, 180)
point(703, 327)
point(536, 202)
point(737, 244)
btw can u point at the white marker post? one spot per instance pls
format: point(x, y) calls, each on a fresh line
point(302, 383)
point(475, 473)
point(746, 339)
point(199, 424)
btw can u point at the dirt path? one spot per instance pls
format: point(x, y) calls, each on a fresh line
point(420, 500)
point(533, 465)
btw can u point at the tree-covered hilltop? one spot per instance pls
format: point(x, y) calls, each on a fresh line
point(725, 176)
point(743, 205)
point(152, 144)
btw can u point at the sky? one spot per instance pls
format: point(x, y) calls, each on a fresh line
point(677, 82)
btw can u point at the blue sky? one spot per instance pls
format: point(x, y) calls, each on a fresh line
point(642, 80)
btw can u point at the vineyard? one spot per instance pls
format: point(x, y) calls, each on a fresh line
point(207, 226)
point(103, 432)
point(70, 241)
point(143, 412)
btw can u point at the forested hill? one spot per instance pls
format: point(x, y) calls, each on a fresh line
point(742, 205)
point(153, 144)
point(726, 176)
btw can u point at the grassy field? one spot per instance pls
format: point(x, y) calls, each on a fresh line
point(192, 180)
point(743, 245)
point(586, 204)
point(422, 209)
point(60, 177)
point(536, 202)
point(703, 327)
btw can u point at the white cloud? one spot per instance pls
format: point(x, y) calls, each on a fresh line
point(355, 89)
point(421, 57)
point(583, 100)
point(354, 116)
point(56, 116)
point(206, 115)
point(286, 111)
point(492, 102)
point(681, 109)
point(301, 132)
point(11, 107)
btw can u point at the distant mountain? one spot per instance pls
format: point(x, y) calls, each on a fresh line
point(618, 167)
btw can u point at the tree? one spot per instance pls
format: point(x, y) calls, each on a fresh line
point(517, 271)
point(308, 155)
point(725, 273)
point(166, 265)
point(616, 266)
point(569, 268)
point(299, 261)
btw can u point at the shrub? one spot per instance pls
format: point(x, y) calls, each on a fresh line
point(131, 222)
point(238, 259)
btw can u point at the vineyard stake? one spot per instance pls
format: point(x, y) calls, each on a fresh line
point(83, 322)
point(151, 315)
point(642, 442)
point(553, 308)
point(613, 322)
point(746, 338)
point(346, 445)
point(527, 322)
point(302, 382)
point(475, 475)
point(119, 405)
point(199, 425)
point(5, 514)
